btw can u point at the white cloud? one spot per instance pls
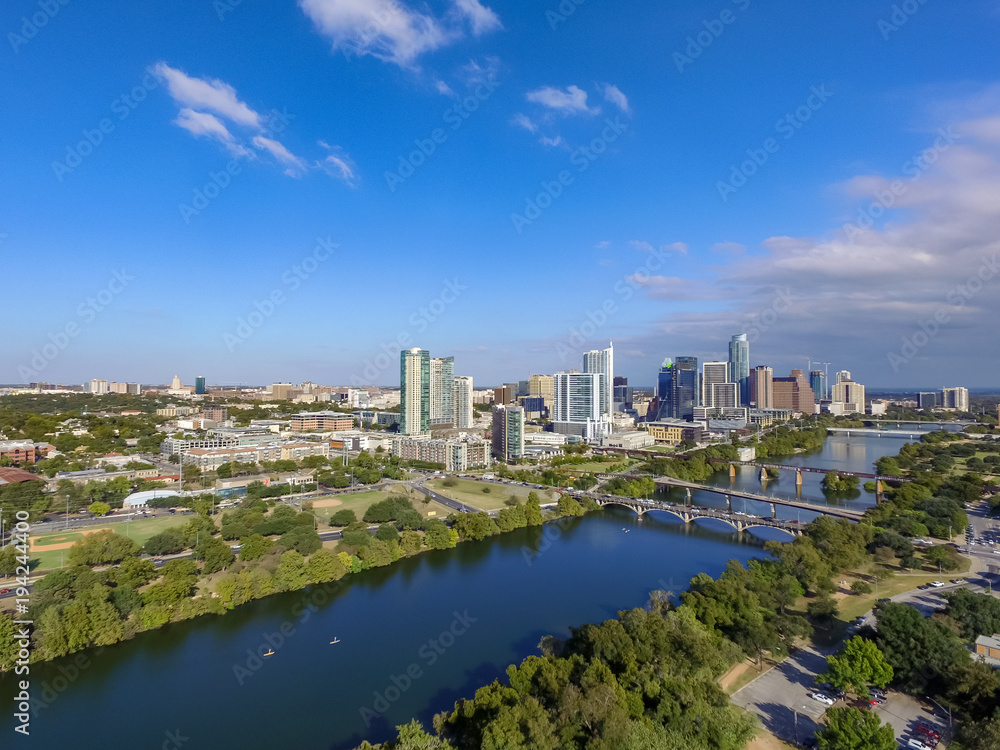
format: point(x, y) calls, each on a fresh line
point(603, 244)
point(205, 124)
point(614, 95)
point(571, 101)
point(481, 18)
point(551, 142)
point(473, 73)
point(277, 149)
point(390, 30)
point(338, 164)
point(206, 93)
point(523, 121)
point(443, 88)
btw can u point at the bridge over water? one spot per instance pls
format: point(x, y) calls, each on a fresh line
point(739, 521)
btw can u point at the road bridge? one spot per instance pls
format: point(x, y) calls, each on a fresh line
point(739, 521)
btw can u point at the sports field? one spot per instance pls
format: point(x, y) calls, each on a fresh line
point(470, 492)
point(49, 550)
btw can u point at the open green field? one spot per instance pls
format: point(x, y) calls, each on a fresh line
point(140, 531)
point(470, 492)
point(596, 467)
point(359, 502)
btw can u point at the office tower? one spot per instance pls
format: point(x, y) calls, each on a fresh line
point(927, 400)
point(502, 395)
point(414, 392)
point(762, 387)
point(955, 398)
point(463, 402)
point(602, 362)
point(442, 390)
point(848, 396)
point(100, 387)
point(576, 408)
point(622, 396)
point(725, 395)
point(691, 363)
point(713, 373)
point(794, 393)
point(817, 380)
point(281, 391)
point(842, 375)
point(176, 384)
point(620, 380)
point(134, 389)
point(523, 388)
point(739, 365)
point(508, 432)
point(541, 385)
point(114, 387)
point(199, 385)
point(675, 390)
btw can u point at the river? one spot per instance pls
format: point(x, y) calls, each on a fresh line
point(414, 637)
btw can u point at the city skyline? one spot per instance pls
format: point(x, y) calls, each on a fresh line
point(826, 211)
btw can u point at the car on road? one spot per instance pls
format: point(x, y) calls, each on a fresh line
point(823, 698)
point(4, 591)
point(929, 731)
point(937, 584)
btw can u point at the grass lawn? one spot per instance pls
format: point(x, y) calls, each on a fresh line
point(595, 467)
point(140, 531)
point(470, 492)
point(359, 502)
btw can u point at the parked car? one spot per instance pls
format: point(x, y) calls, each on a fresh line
point(928, 730)
point(916, 744)
point(4, 591)
point(937, 584)
point(823, 698)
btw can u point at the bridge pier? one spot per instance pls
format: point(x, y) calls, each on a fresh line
point(774, 511)
point(688, 491)
point(798, 478)
point(732, 471)
point(878, 491)
point(763, 474)
point(729, 502)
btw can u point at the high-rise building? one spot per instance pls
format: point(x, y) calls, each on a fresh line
point(541, 385)
point(97, 386)
point(508, 432)
point(739, 365)
point(817, 380)
point(414, 391)
point(502, 395)
point(794, 393)
point(523, 388)
point(281, 391)
point(199, 385)
point(675, 390)
point(691, 363)
point(713, 373)
point(176, 384)
point(442, 390)
point(576, 407)
point(134, 389)
point(955, 398)
point(847, 397)
point(463, 402)
point(602, 362)
point(762, 387)
point(927, 400)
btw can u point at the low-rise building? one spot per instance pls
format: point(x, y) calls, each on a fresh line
point(298, 451)
point(628, 440)
point(322, 421)
point(19, 451)
point(456, 454)
point(674, 433)
point(987, 649)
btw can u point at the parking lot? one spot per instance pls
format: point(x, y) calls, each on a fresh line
point(780, 698)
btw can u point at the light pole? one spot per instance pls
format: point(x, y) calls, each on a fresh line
point(943, 709)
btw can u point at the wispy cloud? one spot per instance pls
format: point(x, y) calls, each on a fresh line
point(295, 165)
point(569, 101)
point(551, 142)
point(207, 93)
point(210, 126)
point(391, 30)
point(523, 121)
point(338, 164)
point(614, 95)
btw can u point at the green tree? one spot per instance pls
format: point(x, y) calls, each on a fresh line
point(9, 648)
point(439, 536)
point(323, 566)
point(254, 547)
point(99, 508)
point(533, 510)
point(102, 547)
point(343, 517)
point(981, 735)
point(853, 729)
point(216, 554)
point(475, 526)
point(978, 614)
point(861, 588)
point(291, 574)
point(858, 664)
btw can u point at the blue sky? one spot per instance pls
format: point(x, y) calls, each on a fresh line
point(713, 167)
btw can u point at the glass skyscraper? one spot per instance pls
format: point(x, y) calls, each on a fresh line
point(739, 366)
point(677, 388)
point(415, 392)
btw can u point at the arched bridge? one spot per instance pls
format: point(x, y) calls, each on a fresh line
point(829, 510)
point(740, 522)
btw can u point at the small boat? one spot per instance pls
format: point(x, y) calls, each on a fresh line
point(335, 640)
point(270, 652)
